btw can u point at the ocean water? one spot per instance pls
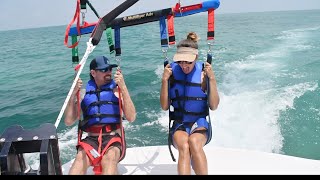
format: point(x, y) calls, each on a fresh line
point(266, 65)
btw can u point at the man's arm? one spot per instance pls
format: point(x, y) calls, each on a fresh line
point(71, 109)
point(127, 104)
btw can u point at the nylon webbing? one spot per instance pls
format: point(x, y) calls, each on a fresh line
point(163, 32)
point(117, 40)
point(110, 40)
point(210, 34)
point(172, 38)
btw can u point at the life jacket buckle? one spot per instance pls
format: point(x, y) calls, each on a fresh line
point(94, 153)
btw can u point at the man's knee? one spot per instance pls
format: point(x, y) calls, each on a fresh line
point(112, 154)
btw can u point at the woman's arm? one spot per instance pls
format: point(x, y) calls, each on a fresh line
point(214, 98)
point(164, 87)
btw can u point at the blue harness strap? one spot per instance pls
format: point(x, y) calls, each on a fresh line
point(163, 32)
point(117, 40)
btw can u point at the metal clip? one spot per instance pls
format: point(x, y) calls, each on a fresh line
point(210, 44)
point(83, 15)
point(165, 53)
point(118, 60)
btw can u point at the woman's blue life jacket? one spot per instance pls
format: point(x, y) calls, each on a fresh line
point(100, 106)
point(187, 97)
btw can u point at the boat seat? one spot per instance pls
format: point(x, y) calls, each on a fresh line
point(15, 142)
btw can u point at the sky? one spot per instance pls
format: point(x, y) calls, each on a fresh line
point(22, 14)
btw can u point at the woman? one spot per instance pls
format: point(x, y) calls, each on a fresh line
point(188, 85)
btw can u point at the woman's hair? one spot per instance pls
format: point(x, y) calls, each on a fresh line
point(193, 36)
point(191, 41)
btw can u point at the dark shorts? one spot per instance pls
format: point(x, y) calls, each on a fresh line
point(190, 128)
point(93, 141)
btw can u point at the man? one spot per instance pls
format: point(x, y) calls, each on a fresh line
point(101, 106)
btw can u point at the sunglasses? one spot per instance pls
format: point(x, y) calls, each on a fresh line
point(104, 70)
point(184, 62)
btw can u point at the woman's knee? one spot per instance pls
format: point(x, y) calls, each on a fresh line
point(180, 138)
point(196, 142)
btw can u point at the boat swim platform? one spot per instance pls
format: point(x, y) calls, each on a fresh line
point(156, 160)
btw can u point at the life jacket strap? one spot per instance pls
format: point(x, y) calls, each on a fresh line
point(191, 113)
point(186, 98)
point(183, 82)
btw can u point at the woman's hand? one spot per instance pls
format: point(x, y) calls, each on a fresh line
point(167, 72)
point(208, 71)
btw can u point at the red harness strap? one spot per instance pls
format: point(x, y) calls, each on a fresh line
point(210, 34)
point(105, 128)
point(172, 38)
point(76, 17)
point(123, 144)
point(94, 155)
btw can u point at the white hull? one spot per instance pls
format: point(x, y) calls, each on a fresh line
point(157, 160)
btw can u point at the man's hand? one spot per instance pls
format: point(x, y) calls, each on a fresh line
point(118, 78)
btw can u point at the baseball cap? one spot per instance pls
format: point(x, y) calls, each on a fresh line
point(101, 63)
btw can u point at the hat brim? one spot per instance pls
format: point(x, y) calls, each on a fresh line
point(109, 66)
point(184, 57)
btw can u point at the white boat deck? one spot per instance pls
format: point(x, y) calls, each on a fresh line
point(156, 160)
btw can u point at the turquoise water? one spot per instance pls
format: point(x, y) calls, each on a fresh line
point(266, 66)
